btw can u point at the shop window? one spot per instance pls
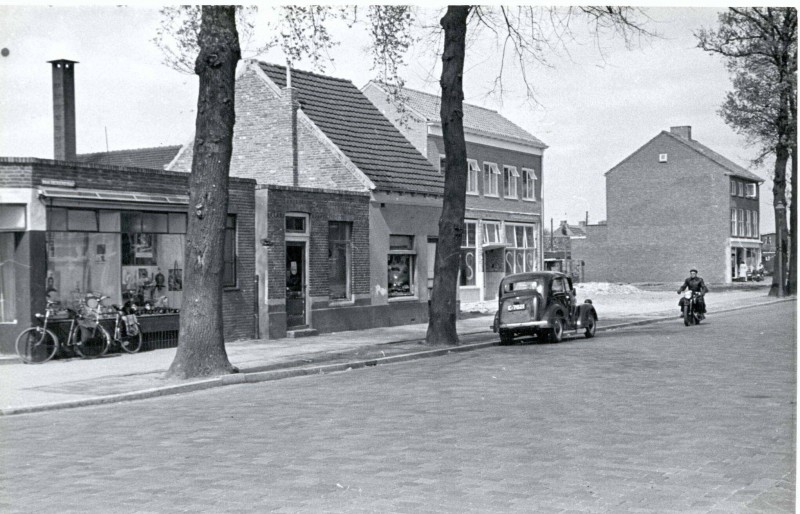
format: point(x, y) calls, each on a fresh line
point(755, 224)
point(528, 184)
point(510, 176)
point(473, 171)
point(401, 266)
point(154, 222)
point(468, 249)
point(109, 221)
point(490, 180)
point(8, 292)
point(177, 223)
point(56, 219)
point(749, 224)
point(339, 257)
point(520, 253)
point(81, 221)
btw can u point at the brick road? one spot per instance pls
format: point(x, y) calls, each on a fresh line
point(658, 418)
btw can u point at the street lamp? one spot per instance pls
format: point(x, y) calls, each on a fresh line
point(780, 213)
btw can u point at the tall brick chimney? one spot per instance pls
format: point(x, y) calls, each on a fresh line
point(63, 109)
point(685, 131)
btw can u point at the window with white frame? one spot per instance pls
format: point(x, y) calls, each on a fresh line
point(510, 176)
point(520, 253)
point(468, 255)
point(734, 230)
point(740, 217)
point(401, 263)
point(733, 187)
point(741, 188)
point(491, 232)
point(748, 224)
point(528, 184)
point(473, 172)
point(755, 224)
point(751, 190)
point(490, 178)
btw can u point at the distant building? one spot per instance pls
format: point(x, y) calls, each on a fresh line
point(672, 205)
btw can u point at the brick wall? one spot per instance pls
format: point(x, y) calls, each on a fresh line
point(663, 218)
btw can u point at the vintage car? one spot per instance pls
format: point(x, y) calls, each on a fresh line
point(543, 304)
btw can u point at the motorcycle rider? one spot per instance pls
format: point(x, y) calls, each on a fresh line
point(696, 284)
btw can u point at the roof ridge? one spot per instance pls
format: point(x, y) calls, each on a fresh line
point(438, 97)
point(313, 74)
point(722, 161)
point(163, 147)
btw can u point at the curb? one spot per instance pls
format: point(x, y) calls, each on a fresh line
point(258, 374)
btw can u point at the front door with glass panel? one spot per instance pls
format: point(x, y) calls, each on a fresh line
point(295, 284)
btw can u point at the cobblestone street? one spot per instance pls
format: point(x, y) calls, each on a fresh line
point(656, 418)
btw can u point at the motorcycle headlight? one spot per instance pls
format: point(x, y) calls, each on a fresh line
point(687, 294)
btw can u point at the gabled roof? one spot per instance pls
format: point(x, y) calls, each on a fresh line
point(476, 119)
point(725, 163)
point(153, 158)
point(360, 131)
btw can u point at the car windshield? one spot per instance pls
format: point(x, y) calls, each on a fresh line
point(522, 285)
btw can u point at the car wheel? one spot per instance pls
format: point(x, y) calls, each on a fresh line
point(591, 326)
point(557, 332)
point(506, 337)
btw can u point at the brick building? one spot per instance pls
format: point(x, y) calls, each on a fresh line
point(346, 208)
point(109, 224)
point(503, 218)
point(672, 205)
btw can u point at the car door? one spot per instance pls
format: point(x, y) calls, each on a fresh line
point(561, 295)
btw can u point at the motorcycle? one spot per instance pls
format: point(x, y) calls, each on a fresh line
point(691, 315)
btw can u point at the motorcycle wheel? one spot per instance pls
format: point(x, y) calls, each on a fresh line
point(688, 316)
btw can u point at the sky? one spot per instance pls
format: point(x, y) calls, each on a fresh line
point(596, 101)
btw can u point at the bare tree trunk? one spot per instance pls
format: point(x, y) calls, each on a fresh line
point(201, 347)
point(792, 286)
point(781, 241)
point(443, 307)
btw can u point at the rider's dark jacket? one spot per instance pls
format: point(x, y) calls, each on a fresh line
point(694, 284)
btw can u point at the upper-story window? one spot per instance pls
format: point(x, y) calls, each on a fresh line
point(510, 176)
point(528, 184)
point(490, 179)
point(733, 188)
point(751, 190)
point(741, 188)
point(473, 171)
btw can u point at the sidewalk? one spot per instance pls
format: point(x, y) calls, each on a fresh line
point(121, 377)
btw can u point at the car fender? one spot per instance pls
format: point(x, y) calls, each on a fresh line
point(584, 311)
point(553, 311)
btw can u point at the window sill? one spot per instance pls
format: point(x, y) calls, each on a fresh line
point(475, 193)
point(532, 200)
point(492, 196)
point(404, 299)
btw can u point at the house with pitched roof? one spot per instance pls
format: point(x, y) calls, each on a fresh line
point(504, 207)
point(673, 205)
point(347, 209)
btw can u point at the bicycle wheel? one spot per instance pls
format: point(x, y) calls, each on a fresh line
point(36, 345)
point(94, 344)
point(130, 344)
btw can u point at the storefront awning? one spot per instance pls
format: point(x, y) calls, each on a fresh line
point(59, 196)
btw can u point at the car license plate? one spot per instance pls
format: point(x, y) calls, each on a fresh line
point(516, 307)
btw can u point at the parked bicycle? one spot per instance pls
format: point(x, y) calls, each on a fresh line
point(127, 333)
point(85, 336)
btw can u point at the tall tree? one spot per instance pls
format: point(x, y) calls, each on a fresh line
point(201, 347)
point(760, 48)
